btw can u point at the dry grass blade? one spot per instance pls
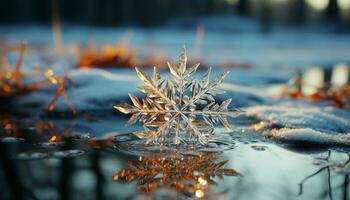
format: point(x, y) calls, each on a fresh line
point(12, 82)
point(61, 90)
point(17, 71)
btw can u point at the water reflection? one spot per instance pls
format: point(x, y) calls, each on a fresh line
point(12, 127)
point(329, 165)
point(8, 127)
point(81, 166)
point(75, 171)
point(191, 176)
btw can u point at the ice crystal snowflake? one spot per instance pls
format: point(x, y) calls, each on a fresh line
point(178, 108)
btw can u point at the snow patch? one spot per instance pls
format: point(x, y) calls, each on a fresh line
point(91, 89)
point(303, 115)
point(303, 122)
point(308, 135)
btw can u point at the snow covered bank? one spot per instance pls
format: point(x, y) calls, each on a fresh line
point(99, 89)
point(306, 136)
point(291, 121)
point(300, 122)
point(91, 90)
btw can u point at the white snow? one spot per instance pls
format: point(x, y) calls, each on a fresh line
point(97, 90)
point(308, 135)
point(91, 89)
point(303, 122)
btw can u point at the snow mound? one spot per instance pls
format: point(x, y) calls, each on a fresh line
point(303, 122)
point(308, 136)
point(326, 119)
point(91, 89)
point(100, 89)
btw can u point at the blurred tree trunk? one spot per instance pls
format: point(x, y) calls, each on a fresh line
point(243, 7)
point(265, 17)
point(210, 6)
point(5, 11)
point(10, 171)
point(88, 12)
point(332, 12)
point(300, 13)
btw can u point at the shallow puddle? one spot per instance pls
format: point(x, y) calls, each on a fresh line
point(48, 161)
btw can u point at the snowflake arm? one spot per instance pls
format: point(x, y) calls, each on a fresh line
point(169, 112)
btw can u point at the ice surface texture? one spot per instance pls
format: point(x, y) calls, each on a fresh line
point(301, 122)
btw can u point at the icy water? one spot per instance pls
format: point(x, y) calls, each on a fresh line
point(48, 160)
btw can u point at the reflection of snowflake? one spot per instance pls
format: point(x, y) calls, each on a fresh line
point(172, 105)
point(188, 175)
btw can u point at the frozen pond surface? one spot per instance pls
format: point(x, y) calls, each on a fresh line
point(282, 148)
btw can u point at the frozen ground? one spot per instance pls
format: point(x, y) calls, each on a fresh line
point(274, 57)
point(96, 91)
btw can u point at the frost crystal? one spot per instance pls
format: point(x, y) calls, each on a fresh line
point(178, 108)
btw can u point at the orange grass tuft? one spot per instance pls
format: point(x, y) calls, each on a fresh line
point(12, 85)
point(336, 96)
point(119, 55)
point(61, 90)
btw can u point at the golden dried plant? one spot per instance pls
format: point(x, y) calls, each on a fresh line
point(335, 96)
point(12, 82)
